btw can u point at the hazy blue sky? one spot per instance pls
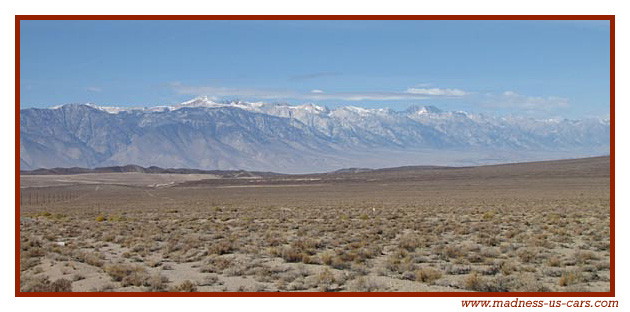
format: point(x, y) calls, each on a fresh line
point(537, 68)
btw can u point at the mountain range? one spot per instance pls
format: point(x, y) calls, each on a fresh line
point(205, 134)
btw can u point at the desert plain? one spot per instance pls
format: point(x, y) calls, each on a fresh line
point(527, 227)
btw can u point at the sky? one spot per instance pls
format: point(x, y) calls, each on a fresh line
point(529, 68)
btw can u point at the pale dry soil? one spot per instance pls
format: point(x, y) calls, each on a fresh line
point(513, 228)
point(126, 178)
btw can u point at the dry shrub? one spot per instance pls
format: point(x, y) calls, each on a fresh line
point(326, 280)
point(222, 247)
point(488, 215)
point(128, 275)
point(273, 239)
point(306, 259)
point(585, 256)
point(451, 251)
point(409, 242)
point(308, 245)
point(360, 269)
point(364, 284)
point(478, 283)
point(157, 283)
point(527, 282)
point(90, 258)
point(474, 282)
point(116, 218)
point(341, 263)
point(185, 286)
point(28, 263)
point(428, 275)
point(554, 261)
point(34, 252)
point(214, 264)
point(457, 269)
point(570, 278)
point(602, 265)
point(209, 280)
point(508, 267)
point(43, 284)
point(291, 254)
point(527, 255)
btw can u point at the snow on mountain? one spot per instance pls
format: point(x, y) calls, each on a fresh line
point(205, 134)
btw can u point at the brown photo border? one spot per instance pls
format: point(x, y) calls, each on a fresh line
point(610, 18)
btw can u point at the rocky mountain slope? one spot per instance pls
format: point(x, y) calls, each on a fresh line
point(204, 134)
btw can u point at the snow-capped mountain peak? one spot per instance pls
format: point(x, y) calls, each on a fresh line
point(202, 133)
point(424, 110)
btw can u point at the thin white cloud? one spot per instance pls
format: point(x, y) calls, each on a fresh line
point(511, 99)
point(423, 85)
point(365, 96)
point(316, 94)
point(509, 93)
point(437, 92)
point(227, 92)
point(314, 76)
point(94, 89)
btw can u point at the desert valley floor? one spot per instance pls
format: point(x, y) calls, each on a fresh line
point(529, 227)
